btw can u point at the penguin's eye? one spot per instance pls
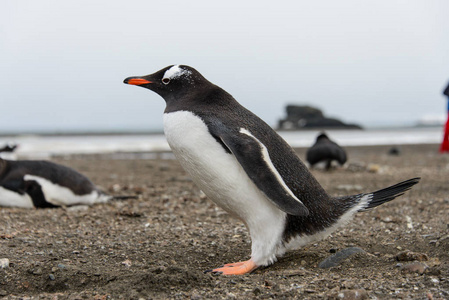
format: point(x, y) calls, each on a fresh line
point(166, 80)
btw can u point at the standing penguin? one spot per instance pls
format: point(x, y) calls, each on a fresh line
point(43, 184)
point(325, 150)
point(246, 168)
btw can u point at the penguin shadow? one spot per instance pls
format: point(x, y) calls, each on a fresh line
point(299, 262)
point(307, 257)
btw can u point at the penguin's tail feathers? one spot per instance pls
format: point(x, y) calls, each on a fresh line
point(387, 194)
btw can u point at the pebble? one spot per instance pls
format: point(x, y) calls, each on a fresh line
point(357, 294)
point(115, 188)
point(257, 291)
point(356, 167)
point(374, 168)
point(37, 271)
point(4, 263)
point(394, 151)
point(77, 208)
point(127, 263)
point(337, 258)
point(414, 268)
point(411, 256)
point(52, 277)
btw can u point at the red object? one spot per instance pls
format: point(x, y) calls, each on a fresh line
point(445, 144)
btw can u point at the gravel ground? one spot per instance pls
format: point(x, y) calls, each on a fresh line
point(158, 245)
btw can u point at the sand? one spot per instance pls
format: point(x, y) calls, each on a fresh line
point(158, 245)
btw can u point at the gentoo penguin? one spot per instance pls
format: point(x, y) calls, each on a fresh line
point(325, 150)
point(245, 167)
point(8, 148)
point(43, 184)
point(7, 151)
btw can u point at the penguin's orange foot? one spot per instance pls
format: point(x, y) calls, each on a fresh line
point(238, 268)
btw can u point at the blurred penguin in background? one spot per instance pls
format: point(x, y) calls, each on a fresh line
point(325, 150)
point(9, 147)
point(7, 151)
point(44, 184)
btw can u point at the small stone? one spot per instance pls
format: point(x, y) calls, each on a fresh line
point(373, 168)
point(61, 266)
point(337, 258)
point(4, 263)
point(127, 263)
point(394, 151)
point(195, 296)
point(77, 208)
point(434, 280)
point(37, 271)
point(257, 291)
point(356, 167)
point(409, 222)
point(139, 190)
point(358, 294)
point(411, 256)
point(52, 277)
point(414, 268)
point(3, 293)
point(115, 188)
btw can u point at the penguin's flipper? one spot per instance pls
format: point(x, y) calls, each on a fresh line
point(16, 186)
point(34, 190)
point(253, 156)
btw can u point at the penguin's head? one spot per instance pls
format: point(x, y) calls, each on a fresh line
point(170, 82)
point(322, 136)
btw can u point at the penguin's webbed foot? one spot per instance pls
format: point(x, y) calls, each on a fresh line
point(238, 268)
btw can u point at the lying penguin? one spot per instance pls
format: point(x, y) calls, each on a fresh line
point(325, 150)
point(44, 184)
point(245, 167)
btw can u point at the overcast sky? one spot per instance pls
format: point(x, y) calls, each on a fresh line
point(62, 63)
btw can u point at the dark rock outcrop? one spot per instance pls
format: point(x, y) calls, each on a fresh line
point(307, 117)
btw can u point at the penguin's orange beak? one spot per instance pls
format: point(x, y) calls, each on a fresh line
point(136, 81)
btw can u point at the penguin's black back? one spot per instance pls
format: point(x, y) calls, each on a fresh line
point(325, 150)
point(58, 174)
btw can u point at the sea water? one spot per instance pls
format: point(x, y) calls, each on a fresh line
point(43, 146)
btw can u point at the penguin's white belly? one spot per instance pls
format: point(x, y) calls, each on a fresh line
point(12, 199)
point(60, 195)
point(216, 172)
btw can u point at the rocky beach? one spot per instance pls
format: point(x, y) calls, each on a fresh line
point(157, 245)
